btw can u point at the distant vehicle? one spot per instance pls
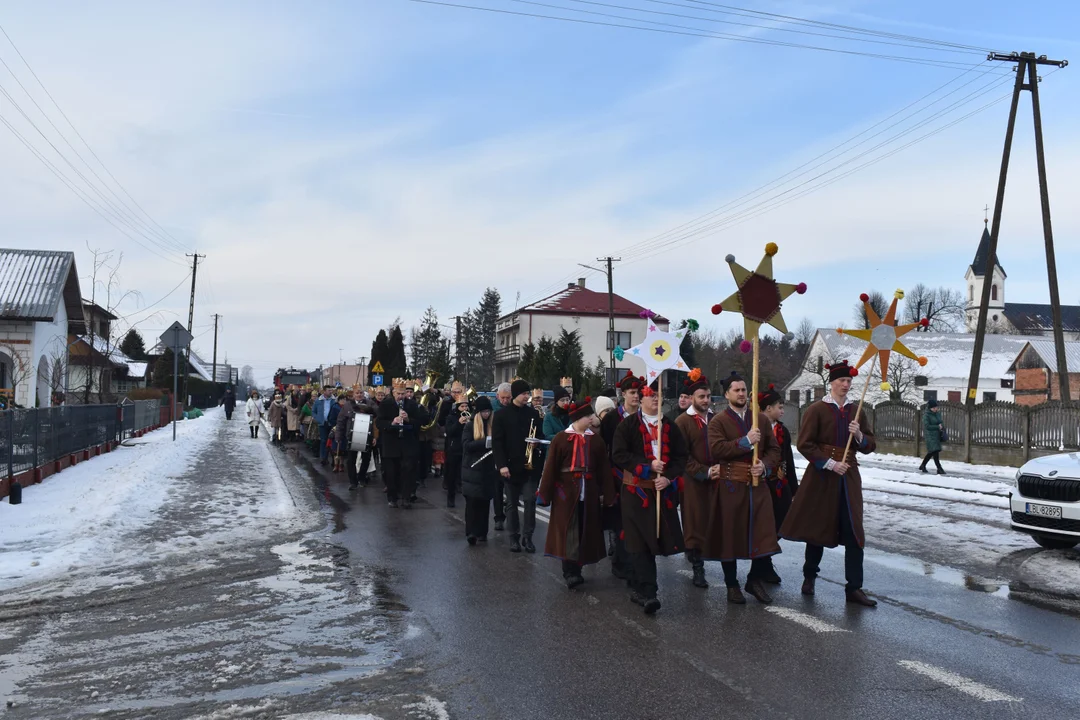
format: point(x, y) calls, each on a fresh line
point(285, 377)
point(1046, 503)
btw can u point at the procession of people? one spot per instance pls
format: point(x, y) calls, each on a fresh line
point(622, 479)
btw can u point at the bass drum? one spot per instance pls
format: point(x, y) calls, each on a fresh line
point(361, 434)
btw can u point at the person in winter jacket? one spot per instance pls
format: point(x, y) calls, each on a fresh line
point(479, 476)
point(933, 431)
point(229, 403)
point(276, 413)
point(457, 422)
point(557, 418)
point(254, 411)
point(321, 412)
point(332, 421)
point(292, 414)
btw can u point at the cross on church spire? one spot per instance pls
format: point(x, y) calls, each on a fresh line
point(986, 214)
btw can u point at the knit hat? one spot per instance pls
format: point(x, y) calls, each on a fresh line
point(695, 381)
point(609, 392)
point(604, 403)
point(841, 370)
point(559, 393)
point(734, 377)
point(518, 387)
point(482, 403)
point(631, 382)
point(931, 403)
point(769, 397)
point(581, 410)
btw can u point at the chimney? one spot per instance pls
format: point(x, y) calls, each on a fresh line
point(581, 282)
point(570, 286)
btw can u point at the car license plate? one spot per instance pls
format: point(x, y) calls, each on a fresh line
point(1049, 511)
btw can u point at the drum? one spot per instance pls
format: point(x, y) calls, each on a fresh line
point(361, 433)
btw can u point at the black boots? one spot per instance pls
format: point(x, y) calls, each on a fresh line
point(527, 544)
point(757, 588)
point(694, 557)
point(858, 597)
point(515, 545)
point(252, 429)
point(808, 586)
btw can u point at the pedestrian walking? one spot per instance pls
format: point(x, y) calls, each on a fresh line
point(509, 429)
point(276, 415)
point(254, 411)
point(321, 413)
point(479, 476)
point(934, 432)
point(229, 403)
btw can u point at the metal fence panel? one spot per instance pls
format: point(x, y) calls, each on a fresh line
point(34, 437)
point(997, 423)
point(895, 420)
point(1054, 427)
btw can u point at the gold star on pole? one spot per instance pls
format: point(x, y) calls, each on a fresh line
point(883, 337)
point(758, 297)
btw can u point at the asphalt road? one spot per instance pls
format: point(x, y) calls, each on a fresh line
point(500, 636)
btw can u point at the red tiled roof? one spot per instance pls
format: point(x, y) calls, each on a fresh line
point(577, 300)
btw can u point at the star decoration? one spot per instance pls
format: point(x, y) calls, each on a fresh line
point(758, 297)
point(883, 336)
point(659, 350)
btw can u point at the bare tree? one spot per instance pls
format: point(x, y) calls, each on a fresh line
point(805, 332)
point(20, 369)
point(902, 375)
point(943, 307)
point(877, 302)
point(104, 286)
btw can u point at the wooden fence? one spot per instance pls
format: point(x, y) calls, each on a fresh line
point(997, 433)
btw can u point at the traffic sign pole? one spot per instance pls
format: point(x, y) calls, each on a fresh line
point(175, 372)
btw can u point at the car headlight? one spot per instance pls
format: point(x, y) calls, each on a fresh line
point(1016, 479)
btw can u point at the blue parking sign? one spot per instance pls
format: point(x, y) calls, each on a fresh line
point(376, 380)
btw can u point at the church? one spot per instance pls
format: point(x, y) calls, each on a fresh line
point(1011, 318)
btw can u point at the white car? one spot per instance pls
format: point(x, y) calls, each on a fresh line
point(1046, 502)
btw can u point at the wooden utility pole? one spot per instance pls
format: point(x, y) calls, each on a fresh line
point(1026, 66)
point(458, 371)
point(611, 309)
point(213, 372)
point(191, 319)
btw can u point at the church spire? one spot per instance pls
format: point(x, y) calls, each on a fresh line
point(982, 254)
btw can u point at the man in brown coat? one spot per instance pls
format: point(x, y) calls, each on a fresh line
point(576, 475)
point(700, 474)
point(827, 511)
point(652, 454)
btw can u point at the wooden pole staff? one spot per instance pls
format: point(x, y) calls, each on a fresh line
point(858, 411)
point(659, 439)
point(754, 403)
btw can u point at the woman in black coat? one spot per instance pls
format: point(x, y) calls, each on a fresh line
point(479, 476)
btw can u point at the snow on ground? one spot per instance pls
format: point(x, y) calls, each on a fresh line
point(1055, 570)
point(104, 515)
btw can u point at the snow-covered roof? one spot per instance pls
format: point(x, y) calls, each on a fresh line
point(103, 347)
point(198, 365)
point(137, 369)
point(948, 354)
point(32, 283)
point(1047, 354)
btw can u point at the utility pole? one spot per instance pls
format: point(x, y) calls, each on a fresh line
point(1026, 65)
point(611, 310)
point(214, 371)
point(191, 319)
point(457, 347)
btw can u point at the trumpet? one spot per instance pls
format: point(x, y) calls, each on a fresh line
point(529, 446)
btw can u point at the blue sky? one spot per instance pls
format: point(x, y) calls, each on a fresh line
point(345, 163)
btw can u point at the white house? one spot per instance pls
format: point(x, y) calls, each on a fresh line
point(945, 376)
point(574, 308)
point(40, 306)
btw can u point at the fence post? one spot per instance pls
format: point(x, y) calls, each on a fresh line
point(37, 436)
point(1027, 434)
point(967, 433)
point(11, 444)
point(918, 429)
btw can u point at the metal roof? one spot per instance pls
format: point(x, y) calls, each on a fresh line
point(32, 283)
point(1048, 355)
point(982, 255)
point(576, 300)
point(1038, 318)
point(949, 354)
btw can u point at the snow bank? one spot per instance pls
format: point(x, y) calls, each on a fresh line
point(76, 517)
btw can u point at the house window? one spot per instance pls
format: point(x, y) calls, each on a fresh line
point(819, 392)
point(929, 395)
point(793, 396)
point(921, 381)
point(971, 293)
point(993, 292)
point(820, 364)
point(1006, 382)
point(808, 398)
point(620, 373)
point(989, 396)
point(622, 339)
point(954, 396)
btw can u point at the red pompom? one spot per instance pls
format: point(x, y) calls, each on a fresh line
point(925, 322)
point(716, 309)
point(745, 346)
point(588, 399)
point(854, 372)
point(771, 386)
point(828, 366)
point(864, 297)
point(800, 288)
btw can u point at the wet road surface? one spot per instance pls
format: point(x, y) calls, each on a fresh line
point(500, 636)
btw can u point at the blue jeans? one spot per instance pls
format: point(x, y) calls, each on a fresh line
point(324, 435)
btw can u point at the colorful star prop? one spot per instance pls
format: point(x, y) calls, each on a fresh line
point(883, 337)
point(758, 297)
point(659, 351)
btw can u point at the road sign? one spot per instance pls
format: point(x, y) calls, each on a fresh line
point(377, 369)
point(176, 338)
point(376, 380)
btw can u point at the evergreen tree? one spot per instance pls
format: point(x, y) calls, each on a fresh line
point(440, 362)
point(133, 345)
point(395, 363)
point(162, 376)
point(380, 352)
point(527, 365)
point(429, 347)
point(569, 358)
point(545, 366)
point(592, 381)
point(486, 320)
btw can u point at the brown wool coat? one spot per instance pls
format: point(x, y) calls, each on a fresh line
point(570, 537)
point(639, 503)
point(742, 525)
point(697, 488)
point(815, 513)
point(277, 412)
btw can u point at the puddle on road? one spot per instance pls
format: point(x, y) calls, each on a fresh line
point(941, 573)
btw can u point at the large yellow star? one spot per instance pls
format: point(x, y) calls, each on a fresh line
point(883, 337)
point(759, 297)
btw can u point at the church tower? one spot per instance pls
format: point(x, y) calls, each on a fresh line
point(976, 276)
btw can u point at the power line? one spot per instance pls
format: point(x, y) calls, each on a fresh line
point(685, 31)
point(163, 233)
point(159, 301)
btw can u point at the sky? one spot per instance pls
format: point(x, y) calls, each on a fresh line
point(342, 164)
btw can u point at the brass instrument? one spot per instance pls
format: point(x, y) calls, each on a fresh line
point(434, 413)
point(529, 446)
point(429, 383)
point(471, 394)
